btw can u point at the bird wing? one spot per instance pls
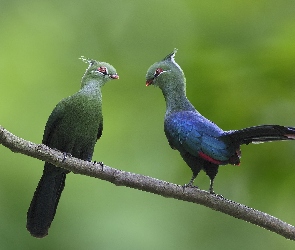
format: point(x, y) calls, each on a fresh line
point(52, 124)
point(189, 131)
point(100, 128)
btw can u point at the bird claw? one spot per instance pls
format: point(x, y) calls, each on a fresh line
point(220, 196)
point(211, 191)
point(189, 185)
point(99, 163)
point(65, 156)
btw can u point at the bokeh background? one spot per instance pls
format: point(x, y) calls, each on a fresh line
point(238, 58)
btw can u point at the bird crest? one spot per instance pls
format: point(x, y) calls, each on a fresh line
point(90, 63)
point(87, 60)
point(171, 56)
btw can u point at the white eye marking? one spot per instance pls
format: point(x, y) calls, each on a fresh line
point(158, 72)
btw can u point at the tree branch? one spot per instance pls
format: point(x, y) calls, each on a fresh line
point(146, 183)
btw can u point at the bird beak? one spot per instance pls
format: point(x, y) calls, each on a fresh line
point(149, 82)
point(114, 76)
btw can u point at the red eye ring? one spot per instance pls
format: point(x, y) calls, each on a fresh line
point(103, 70)
point(158, 72)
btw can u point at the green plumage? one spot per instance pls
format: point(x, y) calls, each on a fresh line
point(73, 127)
point(171, 80)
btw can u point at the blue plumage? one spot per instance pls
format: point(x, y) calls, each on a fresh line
point(200, 142)
point(191, 132)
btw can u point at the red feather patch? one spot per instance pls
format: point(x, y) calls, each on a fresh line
point(210, 159)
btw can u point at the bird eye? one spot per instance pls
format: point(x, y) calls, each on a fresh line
point(158, 72)
point(103, 70)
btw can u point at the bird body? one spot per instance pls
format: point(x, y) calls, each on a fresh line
point(73, 127)
point(191, 132)
point(200, 142)
point(66, 126)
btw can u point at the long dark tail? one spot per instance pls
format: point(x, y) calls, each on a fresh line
point(45, 200)
point(263, 133)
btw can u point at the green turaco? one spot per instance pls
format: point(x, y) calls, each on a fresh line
point(201, 143)
point(73, 127)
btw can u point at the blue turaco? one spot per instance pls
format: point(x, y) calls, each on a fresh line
point(73, 127)
point(200, 142)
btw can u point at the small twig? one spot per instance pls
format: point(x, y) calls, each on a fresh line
point(146, 183)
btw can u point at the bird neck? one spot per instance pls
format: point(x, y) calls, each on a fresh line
point(91, 88)
point(176, 100)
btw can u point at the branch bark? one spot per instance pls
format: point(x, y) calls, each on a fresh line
point(146, 183)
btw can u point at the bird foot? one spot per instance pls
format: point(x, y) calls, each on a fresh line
point(189, 185)
point(65, 156)
point(211, 191)
point(99, 163)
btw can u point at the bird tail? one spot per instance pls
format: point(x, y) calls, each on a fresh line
point(45, 200)
point(262, 133)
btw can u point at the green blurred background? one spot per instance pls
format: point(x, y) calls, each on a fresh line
point(238, 57)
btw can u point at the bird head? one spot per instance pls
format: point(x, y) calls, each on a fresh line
point(98, 70)
point(165, 72)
